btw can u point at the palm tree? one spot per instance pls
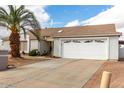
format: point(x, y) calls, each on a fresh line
point(17, 19)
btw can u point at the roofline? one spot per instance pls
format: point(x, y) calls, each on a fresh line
point(86, 36)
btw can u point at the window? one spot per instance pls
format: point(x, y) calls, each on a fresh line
point(88, 41)
point(99, 41)
point(67, 41)
point(76, 41)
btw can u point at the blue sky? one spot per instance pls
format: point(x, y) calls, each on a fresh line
point(74, 15)
point(62, 14)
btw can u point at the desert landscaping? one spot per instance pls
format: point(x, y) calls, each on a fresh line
point(26, 60)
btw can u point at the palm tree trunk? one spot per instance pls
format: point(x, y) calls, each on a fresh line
point(15, 44)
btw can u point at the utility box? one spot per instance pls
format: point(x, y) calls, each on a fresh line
point(3, 59)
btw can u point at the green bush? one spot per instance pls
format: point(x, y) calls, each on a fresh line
point(34, 52)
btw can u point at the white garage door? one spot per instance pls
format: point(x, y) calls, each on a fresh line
point(85, 49)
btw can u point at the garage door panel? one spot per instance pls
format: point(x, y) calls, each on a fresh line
point(90, 50)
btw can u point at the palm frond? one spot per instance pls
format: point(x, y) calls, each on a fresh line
point(24, 31)
point(21, 8)
point(20, 18)
point(3, 11)
point(3, 24)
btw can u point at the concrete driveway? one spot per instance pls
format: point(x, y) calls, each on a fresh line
point(61, 73)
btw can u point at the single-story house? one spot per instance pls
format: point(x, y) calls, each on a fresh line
point(82, 42)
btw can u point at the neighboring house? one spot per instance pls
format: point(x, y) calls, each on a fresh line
point(27, 44)
point(83, 42)
point(24, 43)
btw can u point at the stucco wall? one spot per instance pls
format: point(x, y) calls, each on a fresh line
point(113, 48)
point(33, 44)
point(44, 47)
point(25, 39)
point(57, 47)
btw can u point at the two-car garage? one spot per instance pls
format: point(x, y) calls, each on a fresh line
point(85, 48)
point(98, 48)
point(99, 42)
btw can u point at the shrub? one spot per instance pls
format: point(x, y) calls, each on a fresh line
point(34, 52)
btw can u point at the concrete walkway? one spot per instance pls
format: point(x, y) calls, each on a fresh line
point(61, 73)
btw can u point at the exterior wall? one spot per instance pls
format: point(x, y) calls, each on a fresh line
point(44, 47)
point(113, 48)
point(112, 44)
point(57, 47)
point(49, 39)
point(5, 45)
point(22, 38)
point(23, 46)
point(33, 44)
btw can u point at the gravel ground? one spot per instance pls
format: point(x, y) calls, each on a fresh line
point(27, 60)
point(117, 80)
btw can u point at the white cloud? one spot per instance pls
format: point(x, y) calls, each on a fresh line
point(113, 15)
point(38, 10)
point(40, 13)
point(73, 23)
